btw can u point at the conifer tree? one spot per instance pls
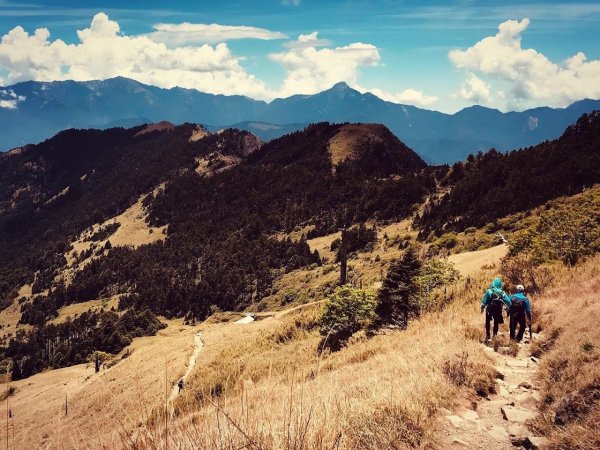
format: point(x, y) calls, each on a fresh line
point(396, 300)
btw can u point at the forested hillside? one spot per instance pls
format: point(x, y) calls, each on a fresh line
point(52, 191)
point(220, 250)
point(491, 185)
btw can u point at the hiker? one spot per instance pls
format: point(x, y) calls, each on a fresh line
point(519, 308)
point(493, 300)
point(180, 384)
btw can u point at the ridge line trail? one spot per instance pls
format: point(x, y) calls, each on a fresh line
point(499, 421)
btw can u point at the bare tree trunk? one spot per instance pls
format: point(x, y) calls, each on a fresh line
point(343, 259)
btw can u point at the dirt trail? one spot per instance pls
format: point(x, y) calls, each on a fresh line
point(198, 344)
point(499, 422)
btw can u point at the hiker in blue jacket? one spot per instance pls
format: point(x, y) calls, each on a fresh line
point(520, 306)
point(493, 301)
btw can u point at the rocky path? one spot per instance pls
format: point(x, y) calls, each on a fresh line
point(499, 422)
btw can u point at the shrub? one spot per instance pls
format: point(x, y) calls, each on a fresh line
point(347, 310)
point(565, 232)
point(462, 371)
point(447, 240)
point(522, 269)
point(434, 274)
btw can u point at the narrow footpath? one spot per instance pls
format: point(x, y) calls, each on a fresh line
point(500, 421)
point(198, 344)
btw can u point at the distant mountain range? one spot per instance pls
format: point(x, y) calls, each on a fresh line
point(38, 110)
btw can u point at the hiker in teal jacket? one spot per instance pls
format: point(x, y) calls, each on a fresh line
point(519, 308)
point(493, 300)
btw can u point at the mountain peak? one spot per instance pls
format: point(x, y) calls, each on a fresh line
point(341, 89)
point(341, 86)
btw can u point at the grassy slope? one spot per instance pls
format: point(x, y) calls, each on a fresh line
point(570, 370)
point(377, 393)
point(382, 392)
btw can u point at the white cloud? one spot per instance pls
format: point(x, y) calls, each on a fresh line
point(104, 52)
point(182, 33)
point(291, 2)
point(310, 69)
point(9, 99)
point(407, 96)
point(308, 40)
point(532, 78)
point(8, 104)
point(474, 90)
point(311, 64)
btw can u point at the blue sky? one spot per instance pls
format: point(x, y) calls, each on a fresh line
point(438, 55)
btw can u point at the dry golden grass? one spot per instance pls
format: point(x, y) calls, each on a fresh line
point(25, 291)
point(198, 133)
point(269, 388)
point(101, 407)
point(9, 321)
point(469, 263)
point(133, 232)
point(570, 367)
point(216, 163)
point(76, 309)
point(346, 143)
point(158, 126)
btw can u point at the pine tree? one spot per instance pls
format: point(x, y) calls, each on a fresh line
point(396, 300)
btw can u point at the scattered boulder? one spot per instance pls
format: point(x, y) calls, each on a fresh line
point(536, 442)
point(525, 385)
point(455, 420)
point(517, 430)
point(470, 415)
point(527, 400)
point(503, 392)
point(498, 433)
point(517, 415)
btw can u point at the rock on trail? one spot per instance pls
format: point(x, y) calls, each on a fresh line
point(499, 422)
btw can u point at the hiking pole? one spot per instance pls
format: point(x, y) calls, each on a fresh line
point(530, 332)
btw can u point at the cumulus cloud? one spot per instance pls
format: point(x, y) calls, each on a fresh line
point(407, 96)
point(104, 52)
point(311, 64)
point(475, 90)
point(533, 79)
point(311, 69)
point(182, 33)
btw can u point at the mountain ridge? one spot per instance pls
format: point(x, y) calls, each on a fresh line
point(44, 108)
